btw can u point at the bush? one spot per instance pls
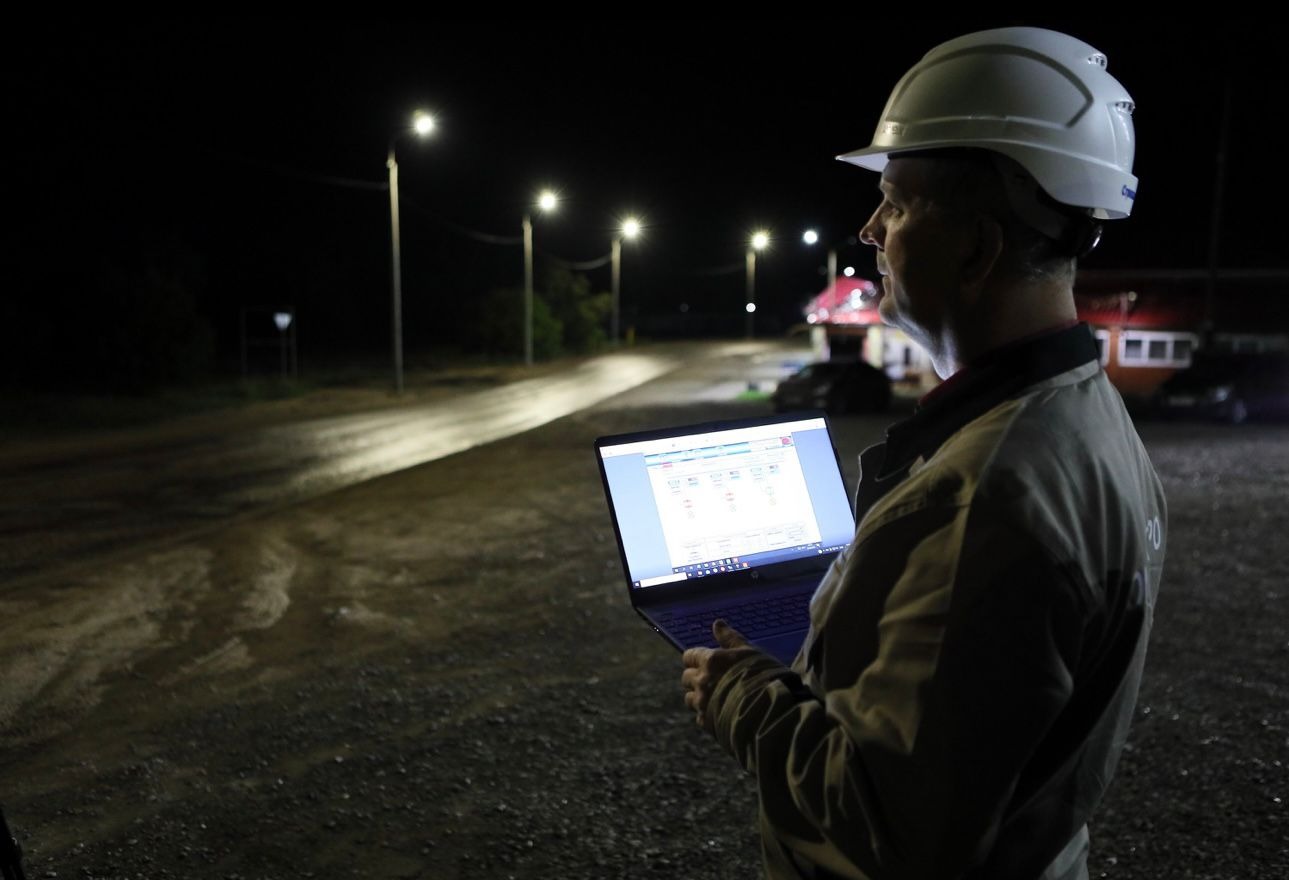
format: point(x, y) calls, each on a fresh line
point(120, 323)
point(499, 326)
point(582, 313)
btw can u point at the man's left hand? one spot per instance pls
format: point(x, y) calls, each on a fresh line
point(704, 668)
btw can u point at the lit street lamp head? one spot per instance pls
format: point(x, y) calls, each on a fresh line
point(760, 240)
point(423, 123)
point(630, 227)
point(547, 200)
point(810, 236)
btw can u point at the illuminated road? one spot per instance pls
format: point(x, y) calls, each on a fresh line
point(65, 505)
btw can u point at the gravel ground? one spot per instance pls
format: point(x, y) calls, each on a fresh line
point(437, 674)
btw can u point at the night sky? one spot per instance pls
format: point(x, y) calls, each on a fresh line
point(246, 161)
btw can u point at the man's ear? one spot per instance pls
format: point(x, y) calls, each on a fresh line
point(985, 246)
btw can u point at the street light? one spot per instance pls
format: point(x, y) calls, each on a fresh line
point(760, 241)
point(812, 237)
point(422, 125)
point(547, 202)
point(630, 229)
point(282, 320)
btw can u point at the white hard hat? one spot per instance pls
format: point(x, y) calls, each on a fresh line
point(1040, 97)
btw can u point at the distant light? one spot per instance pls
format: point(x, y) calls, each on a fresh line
point(811, 318)
point(849, 271)
point(282, 319)
point(810, 236)
point(631, 227)
point(423, 123)
point(759, 241)
point(547, 200)
point(751, 307)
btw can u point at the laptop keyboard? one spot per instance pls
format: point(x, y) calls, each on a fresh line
point(759, 618)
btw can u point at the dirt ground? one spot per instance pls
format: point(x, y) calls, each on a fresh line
point(436, 674)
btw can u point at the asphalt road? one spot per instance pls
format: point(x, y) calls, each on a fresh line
point(67, 502)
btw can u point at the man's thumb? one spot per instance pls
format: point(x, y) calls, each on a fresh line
point(727, 636)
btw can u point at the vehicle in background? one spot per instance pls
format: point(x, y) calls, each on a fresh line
point(838, 387)
point(1228, 387)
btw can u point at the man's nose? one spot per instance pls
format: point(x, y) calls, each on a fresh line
point(868, 233)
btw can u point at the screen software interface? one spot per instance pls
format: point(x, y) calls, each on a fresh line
point(708, 503)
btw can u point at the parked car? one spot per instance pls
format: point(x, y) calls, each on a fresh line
point(835, 386)
point(1228, 387)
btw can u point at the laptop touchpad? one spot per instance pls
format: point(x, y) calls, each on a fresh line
point(783, 647)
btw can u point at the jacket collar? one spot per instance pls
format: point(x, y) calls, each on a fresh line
point(971, 392)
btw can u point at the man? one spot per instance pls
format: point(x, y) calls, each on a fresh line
point(959, 705)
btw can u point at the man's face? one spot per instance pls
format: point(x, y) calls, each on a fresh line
point(918, 247)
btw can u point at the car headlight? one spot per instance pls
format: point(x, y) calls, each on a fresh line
point(1218, 393)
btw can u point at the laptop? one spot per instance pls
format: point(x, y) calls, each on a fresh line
point(735, 519)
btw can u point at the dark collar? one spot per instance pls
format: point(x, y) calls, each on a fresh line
point(971, 392)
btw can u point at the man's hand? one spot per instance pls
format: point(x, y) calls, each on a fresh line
point(705, 666)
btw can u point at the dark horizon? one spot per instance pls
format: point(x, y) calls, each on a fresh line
point(248, 161)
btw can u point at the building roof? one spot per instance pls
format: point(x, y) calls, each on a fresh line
point(845, 301)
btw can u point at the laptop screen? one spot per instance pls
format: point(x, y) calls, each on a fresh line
point(715, 500)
